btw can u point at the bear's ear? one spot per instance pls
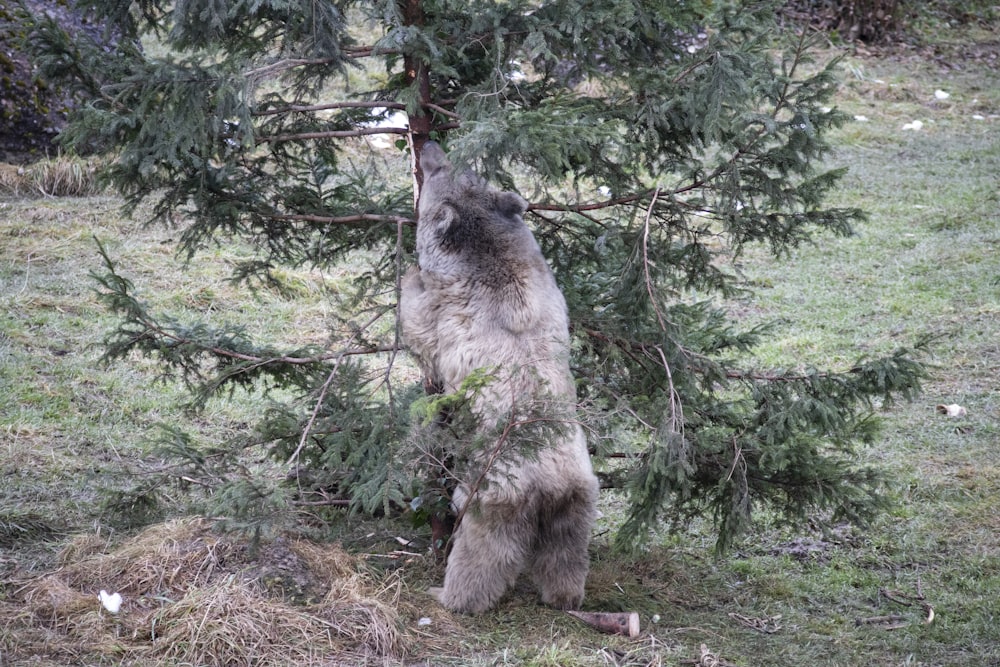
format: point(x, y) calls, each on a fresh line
point(468, 180)
point(511, 204)
point(440, 216)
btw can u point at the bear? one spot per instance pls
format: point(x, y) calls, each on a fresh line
point(483, 298)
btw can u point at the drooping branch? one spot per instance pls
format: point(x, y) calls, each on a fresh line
point(154, 328)
point(284, 65)
point(150, 329)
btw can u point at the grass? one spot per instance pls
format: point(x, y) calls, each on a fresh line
point(60, 177)
point(72, 432)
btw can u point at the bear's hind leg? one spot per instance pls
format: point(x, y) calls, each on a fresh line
point(561, 560)
point(486, 559)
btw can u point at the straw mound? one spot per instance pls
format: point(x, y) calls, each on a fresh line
point(190, 596)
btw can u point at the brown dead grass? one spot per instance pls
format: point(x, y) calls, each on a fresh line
point(195, 597)
point(60, 177)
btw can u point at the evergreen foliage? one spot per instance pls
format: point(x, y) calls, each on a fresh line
point(654, 141)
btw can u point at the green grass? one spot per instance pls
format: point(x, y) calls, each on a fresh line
point(926, 263)
point(72, 429)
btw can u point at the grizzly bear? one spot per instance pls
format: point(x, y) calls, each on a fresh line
point(484, 299)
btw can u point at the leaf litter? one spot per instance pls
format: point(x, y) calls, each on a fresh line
point(190, 595)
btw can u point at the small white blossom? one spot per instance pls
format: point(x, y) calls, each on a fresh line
point(941, 95)
point(952, 410)
point(112, 602)
point(915, 125)
point(861, 119)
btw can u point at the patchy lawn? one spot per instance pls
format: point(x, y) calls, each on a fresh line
point(920, 587)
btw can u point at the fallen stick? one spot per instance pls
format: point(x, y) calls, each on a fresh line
point(768, 625)
point(909, 600)
point(616, 623)
point(709, 659)
point(888, 622)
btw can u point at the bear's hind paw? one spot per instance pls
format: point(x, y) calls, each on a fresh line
point(563, 601)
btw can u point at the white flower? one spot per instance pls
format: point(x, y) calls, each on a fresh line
point(941, 95)
point(516, 73)
point(861, 119)
point(424, 621)
point(977, 116)
point(915, 125)
point(112, 602)
point(952, 410)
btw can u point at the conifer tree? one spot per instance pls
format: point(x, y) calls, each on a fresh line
point(654, 142)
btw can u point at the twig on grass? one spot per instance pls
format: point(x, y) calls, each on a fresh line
point(709, 659)
point(768, 624)
point(886, 622)
point(910, 600)
point(897, 621)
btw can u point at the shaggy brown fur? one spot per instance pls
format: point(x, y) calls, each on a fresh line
point(484, 297)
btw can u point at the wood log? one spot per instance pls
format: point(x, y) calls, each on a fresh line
point(618, 623)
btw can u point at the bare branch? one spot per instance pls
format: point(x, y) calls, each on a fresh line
point(305, 108)
point(645, 262)
point(676, 408)
point(345, 219)
point(441, 110)
point(312, 417)
point(333, 134)
point(371, 104)
point(576, 208)
point(326, 386)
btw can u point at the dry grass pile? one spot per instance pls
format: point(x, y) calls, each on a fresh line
point(61, 177)
point(191, 596)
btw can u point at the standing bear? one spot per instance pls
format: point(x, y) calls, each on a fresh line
point(483, 298)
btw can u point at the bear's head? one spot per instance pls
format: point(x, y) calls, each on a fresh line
point(462, 218)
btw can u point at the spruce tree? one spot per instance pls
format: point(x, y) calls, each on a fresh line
point(654, 142)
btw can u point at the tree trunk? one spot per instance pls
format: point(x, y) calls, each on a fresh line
point(869, 21)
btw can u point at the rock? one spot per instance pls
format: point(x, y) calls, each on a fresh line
point(33, 111)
